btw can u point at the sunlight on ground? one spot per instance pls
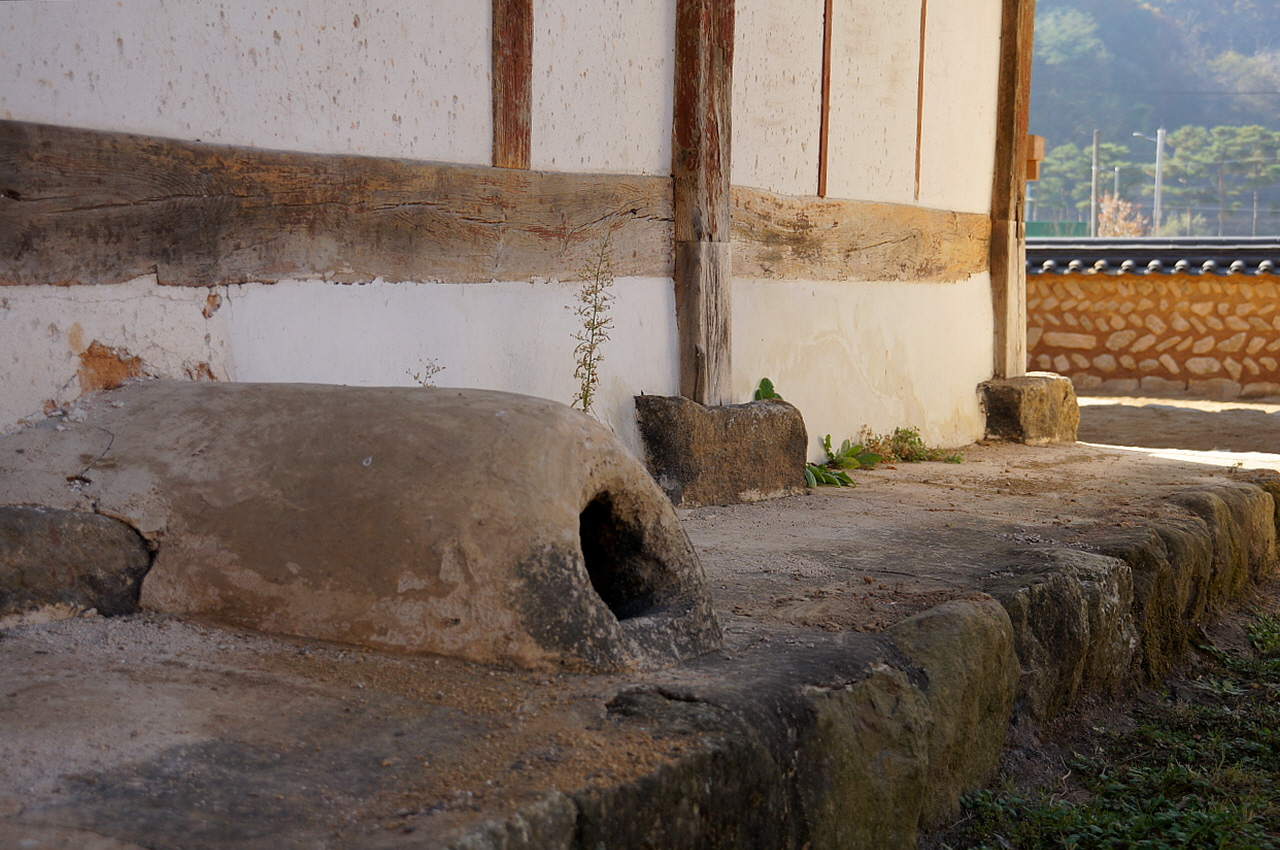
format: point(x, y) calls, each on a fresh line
point(1270, 405)
point(1243, 460)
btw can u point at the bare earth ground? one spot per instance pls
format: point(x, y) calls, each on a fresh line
point(913, 535)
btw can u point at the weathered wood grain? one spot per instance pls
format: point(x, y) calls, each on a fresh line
point(512, 82)
point(80, 206)
point(778, 236)
point(88, 207)
point(1009, 189)
point(704, 323)
point(700, 166)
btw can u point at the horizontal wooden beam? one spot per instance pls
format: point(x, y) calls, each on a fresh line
point(800, 238)
point(79, 206)
point(88, 207)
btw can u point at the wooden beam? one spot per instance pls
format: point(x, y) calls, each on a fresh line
point(701, 167)
point(80, 206)
point(512, 82)
point(86, 207)
point(1008, 242)
point(791, 238)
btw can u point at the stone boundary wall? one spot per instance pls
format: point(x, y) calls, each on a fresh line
point(1214, 336)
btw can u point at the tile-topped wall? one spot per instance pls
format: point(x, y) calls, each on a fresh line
point(1209, 335)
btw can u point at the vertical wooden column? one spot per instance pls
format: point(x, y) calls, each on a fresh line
point(924, 27)
point(824, 122)
point(512, 82)
point(700, 166)
point(1009, 190)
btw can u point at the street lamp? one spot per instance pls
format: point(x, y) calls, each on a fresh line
point(1159, 140)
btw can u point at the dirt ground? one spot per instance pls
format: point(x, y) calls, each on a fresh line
point(1181, 423)
point(912, 535)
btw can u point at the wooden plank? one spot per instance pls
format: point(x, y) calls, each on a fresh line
point(700, 166)
point(782, 237)
point(79, 206)
point(512, 82)
point(1008, 244)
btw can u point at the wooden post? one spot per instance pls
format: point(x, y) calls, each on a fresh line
point(512, 82)
point(700, 166)
point(924, 27)
point(824, 124)
point(1009, 190)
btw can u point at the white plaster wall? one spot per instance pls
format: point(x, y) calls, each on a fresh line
point(403, 78)
point(517, 337)
point(777, 95)
point(882, 355)
point(962, 68)
point(603, 85)
point(875, 58)
point(45, 329)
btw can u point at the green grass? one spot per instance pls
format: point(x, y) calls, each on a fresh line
point(1198, 772)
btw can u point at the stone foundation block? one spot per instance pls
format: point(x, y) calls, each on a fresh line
point(1036, 409)
point(70, 560)
point(483, 525)
point(723, 455)
point(1073, 628)
point(966, 649)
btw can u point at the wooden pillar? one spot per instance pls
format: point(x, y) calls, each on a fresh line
point(512, 82)
point(924, 28)
point(700, 166)
point(824, 122)
point(1009, 191)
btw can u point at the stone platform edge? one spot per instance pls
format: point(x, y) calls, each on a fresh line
point(814, 753)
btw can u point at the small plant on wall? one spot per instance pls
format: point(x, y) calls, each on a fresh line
point(766, 391)
point(595, 297)
point(427, 377)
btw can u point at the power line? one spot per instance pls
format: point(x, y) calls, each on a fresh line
point(1198, 93)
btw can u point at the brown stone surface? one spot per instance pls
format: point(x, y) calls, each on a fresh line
point(722, 455)
point(483, 525)
point(1035, 409)
point(75, 561)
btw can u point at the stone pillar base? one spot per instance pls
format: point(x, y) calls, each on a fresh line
point(1035, 409)
point(722, 455)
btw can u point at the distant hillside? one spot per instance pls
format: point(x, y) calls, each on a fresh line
point(1208, 71)
point(1123, 66)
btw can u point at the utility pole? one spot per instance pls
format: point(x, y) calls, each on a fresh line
point(1093, 187)
point(1159, 140)
point(1159, 175)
